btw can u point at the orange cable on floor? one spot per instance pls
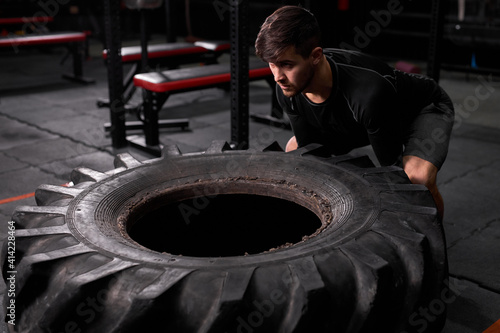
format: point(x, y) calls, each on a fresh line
point(19, 197)
point(23, 196)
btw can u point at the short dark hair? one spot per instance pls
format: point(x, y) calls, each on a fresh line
point(287, 26)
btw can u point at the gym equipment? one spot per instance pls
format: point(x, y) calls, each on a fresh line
point(159, 87)
point(206, 242)
point(238, 79)
point(75, 41)
point(169, 55)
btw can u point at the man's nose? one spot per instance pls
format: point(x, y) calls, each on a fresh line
point(277, 73)
point(279, 76)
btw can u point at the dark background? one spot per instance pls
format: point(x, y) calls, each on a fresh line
point(473, 42)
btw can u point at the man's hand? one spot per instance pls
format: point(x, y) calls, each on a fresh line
point(291, 144)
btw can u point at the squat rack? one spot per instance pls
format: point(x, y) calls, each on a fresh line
point(239, 31)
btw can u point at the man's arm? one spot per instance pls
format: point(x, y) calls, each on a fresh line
point(386, 145)
point(304, 133)
point(374, 104)
point(384, 132)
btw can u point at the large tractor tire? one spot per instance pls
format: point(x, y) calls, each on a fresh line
point(230, 241)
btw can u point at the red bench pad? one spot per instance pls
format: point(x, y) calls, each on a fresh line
point(196, 77)
point(47, 38)
point(22, 20)
point(133, 53)
point(212, 45)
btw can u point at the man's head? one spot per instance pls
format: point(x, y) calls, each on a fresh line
point(287, 26)
point(289, 41)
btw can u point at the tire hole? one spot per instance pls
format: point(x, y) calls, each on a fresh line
point(224, 225)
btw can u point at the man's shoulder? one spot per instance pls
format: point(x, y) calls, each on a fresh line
point(333, 50)
point(358, 65)
point(343, 55)
point(355, 58)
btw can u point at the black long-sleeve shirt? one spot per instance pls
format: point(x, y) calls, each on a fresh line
point(370, 103)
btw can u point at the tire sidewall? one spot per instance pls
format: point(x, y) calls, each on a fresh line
point(345, 203)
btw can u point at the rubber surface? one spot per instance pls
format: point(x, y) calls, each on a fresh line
point(377, 257)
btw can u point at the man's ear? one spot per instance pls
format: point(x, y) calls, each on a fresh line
point(316, 55)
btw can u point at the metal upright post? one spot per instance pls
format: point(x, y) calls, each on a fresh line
point(115, 72)
point(144, 40)
point(169, 23)
point(239, 74)
point(435, 40)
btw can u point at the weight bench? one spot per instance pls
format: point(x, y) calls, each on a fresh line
point(159, 86)
point(25, 20)
point(169, 55)
point(75, 41)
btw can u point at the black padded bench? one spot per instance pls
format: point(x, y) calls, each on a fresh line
point(75, 41)
point(169, 55)
point(159, 86)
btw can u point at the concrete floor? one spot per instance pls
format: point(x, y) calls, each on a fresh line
point(49, 126)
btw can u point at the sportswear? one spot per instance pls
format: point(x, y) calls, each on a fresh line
point(373, 103)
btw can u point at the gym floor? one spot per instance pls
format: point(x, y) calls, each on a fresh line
point(49, 126)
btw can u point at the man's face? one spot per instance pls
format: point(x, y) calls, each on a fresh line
point(292, 72)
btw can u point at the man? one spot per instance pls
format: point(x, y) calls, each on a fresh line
point(345, 99)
